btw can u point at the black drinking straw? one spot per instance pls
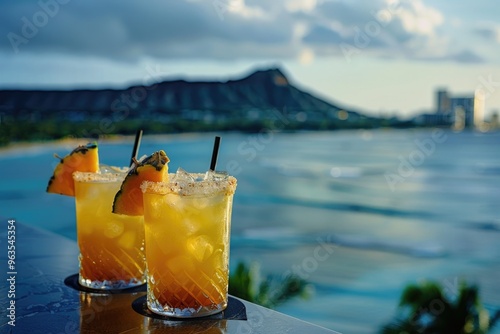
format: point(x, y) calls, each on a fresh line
point(137, 142)
point(215, 152)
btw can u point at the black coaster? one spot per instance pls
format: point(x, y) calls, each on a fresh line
point(235, 310)
point(72, 282)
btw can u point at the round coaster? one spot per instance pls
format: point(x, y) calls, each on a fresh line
point(235, 310)
point(72, 282)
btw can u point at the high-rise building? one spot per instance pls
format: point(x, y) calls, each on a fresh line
point(461, 111)
point(442, 101)
point(494, 121)
point(479, 98)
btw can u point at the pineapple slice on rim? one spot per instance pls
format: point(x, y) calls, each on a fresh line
point(84, 158)
point(128, 200)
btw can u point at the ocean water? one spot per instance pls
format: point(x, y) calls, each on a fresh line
point(359, 214)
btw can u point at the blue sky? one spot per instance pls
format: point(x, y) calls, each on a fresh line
point(377, 56)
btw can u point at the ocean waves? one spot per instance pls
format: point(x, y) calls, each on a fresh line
point(284, 238)
point(334, 206)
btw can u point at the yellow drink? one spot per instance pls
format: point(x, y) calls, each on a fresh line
point(187, 227)
point(111, 245)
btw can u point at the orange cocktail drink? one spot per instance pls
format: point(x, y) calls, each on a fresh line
point(187, 225)
point(111, 245)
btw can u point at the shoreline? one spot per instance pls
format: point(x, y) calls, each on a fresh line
point(117, 138)
point(74, 142)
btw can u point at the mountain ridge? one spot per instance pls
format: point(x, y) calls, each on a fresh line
point(261, 89)
point(262, 100)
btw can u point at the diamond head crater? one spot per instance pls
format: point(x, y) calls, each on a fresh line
point(262, 100)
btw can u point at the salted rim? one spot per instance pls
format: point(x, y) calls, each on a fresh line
point(225, 185)
point(99, 177)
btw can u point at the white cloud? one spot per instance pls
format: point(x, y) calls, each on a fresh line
point(417, 18)
point(239, 7)
point(236, 29)
point(300, 5)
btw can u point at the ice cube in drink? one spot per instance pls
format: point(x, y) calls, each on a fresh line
point(111, 245)
point(187, 225)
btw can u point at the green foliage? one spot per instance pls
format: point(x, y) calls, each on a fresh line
point(425, 309)
point(270, 292)
point(32, 126)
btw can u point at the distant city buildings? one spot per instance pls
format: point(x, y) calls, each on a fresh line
point(461, 111)
point(458, 112)
point(495, 122)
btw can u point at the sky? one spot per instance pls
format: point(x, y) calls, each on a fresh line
point(380, 57)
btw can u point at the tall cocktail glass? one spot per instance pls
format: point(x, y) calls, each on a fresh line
point(187, 224)
point(111, 245)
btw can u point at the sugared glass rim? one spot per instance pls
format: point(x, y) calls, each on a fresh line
point(201, 187)
point(100, 177)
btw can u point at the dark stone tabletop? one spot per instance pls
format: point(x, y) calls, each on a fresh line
point(36, 299)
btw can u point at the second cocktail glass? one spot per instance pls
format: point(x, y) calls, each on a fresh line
point(187, 226)
point(111, 245)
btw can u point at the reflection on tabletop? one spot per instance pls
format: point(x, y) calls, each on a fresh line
point(113, 313)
